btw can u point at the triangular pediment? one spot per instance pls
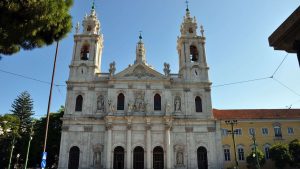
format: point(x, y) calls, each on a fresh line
point(139, 71)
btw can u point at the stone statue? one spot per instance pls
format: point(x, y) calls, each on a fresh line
point(97, 159)
point(111, 106)
point(100, 103)
point(167, 69)
point(168, 108)
point(179, 158)
point(177, 104)
point(112, 68)
point(130, 107)
point(77, 28)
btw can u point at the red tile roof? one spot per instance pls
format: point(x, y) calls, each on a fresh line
point(256, 114)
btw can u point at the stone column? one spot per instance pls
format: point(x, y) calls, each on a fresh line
point(148, 144)
point(108, 144)
point(129, 146)
point(168, 145)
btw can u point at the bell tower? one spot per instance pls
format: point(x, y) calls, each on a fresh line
point(191, 50)
point(87, 51)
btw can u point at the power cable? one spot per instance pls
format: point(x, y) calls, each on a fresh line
point(280, 64)
point(282, 84)
point(27, 77)
point(239, 82)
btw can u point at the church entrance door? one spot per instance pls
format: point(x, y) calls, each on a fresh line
point(119, 158)
point(158, 158)
point(138, 158)
point(202, 158)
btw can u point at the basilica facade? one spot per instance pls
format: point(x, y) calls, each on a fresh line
point(139, 118)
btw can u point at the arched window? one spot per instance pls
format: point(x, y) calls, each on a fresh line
point(198, 104)
point(158, 158)
point(85, 52)
point(194, 56)
point(74, 158)
point(202, 158)
point(119, 158)
point(121, 100)
point(78, 105)
point(226, 149)
point(267, 151)
point(157, 102)
point(277, 131)
point(138, 158)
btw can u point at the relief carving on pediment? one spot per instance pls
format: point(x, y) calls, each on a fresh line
point(139, 72)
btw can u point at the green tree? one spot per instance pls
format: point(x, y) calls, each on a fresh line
point(32, 23)
point(9, 127)
point(22, 107)
point(251, 159)
point(294, 148)
point(279, 153)
point(53, 143)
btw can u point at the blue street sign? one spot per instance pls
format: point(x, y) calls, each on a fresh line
point(43, 164)
point(44, 157)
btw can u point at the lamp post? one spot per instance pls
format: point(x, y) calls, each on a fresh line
point(255, 151)
point(28, 148)
point(11, 151)
point(232, 132)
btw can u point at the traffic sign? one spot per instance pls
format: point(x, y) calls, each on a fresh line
point(44, 157)
point(43, 164)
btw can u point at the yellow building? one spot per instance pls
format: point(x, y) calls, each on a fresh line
point(269, 125)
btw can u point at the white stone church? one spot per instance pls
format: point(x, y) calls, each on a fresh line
point(139, 118)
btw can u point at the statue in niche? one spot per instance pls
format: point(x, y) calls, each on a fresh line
point(168, 108)
point(112, 68)
point(179, 158)
point(177, 104)
point(111, 106)
point(97, 158)
point(130, 107)
point(101, 103)
point(167, 69)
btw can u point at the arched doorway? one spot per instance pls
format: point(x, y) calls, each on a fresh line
point(138, 158)
point(74, 158)
point(119, 158)
point(202, 158)
point(158, 158)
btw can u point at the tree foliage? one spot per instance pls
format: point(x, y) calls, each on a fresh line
point(53, 142)
point(294, 149)
point(251, 159)
point(9, 127)
point(279, 153)
point(22, 107)
point(28, 24)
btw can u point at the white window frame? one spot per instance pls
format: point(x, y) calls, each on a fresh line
point(290, 130)
point(227, 154)
point(267, 131)
point(251, 131)
point(240, 133)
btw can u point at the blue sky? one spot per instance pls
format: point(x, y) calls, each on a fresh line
point(237, 49)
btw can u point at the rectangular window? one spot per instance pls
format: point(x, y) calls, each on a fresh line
point(290, 130)
point(224, 132)
point(238, 132)
point(241, 154)
point(265, 131)
point(277, 131)
point(227, 154)
point(251, 131)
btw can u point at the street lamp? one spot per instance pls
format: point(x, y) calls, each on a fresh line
point(28, 148)
point(255, 155)
point(232, 132)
